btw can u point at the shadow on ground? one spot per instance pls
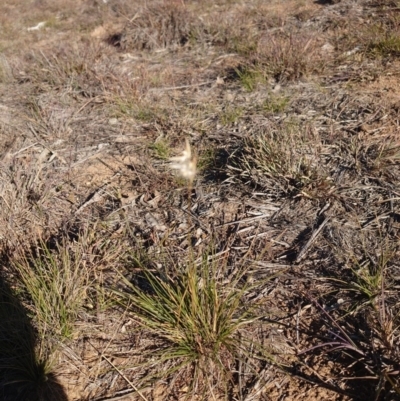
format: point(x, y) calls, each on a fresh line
point(24, 376)
point(326, 2)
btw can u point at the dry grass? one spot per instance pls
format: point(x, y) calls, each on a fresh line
point(157, 26)
point(285, 159)
point(289, 116)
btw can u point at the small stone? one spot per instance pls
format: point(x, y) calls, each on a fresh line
point(276, 88)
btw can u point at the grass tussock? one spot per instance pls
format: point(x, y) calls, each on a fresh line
point(368, 300)
point(157, 26)
point(204, 325)
point(289, 56)
point(161, 149)
point(55, 283)
point(284, 159)
point(75, 69)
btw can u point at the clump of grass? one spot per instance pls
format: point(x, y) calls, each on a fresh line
point(361, 330)
point(281, 160)
point(366, 281)
point(387, 46)
point(384, 155)
point(161, 148)
point(200, 323)
point(369, 277)
point(144, 113)
point(66, 67)
point(383, 36)
point(243, 45)
point(288, 56)
point(377, 155)
point(159, 26)
point(207, 159)
point(378, 39)
point(51, 284)
point(365, 340)
point(230, 114)
point(275, 104)
point(55, 283)
point(250, 78)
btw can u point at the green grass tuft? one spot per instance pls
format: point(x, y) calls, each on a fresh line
point(161, 149)
point(200, 320)
point(54, 282)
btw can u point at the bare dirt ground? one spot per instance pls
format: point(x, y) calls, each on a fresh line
point(292, 108)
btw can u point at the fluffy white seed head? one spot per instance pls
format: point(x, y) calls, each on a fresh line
point(185, 165)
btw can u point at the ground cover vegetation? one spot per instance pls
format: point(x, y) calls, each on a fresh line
point(199, 200)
